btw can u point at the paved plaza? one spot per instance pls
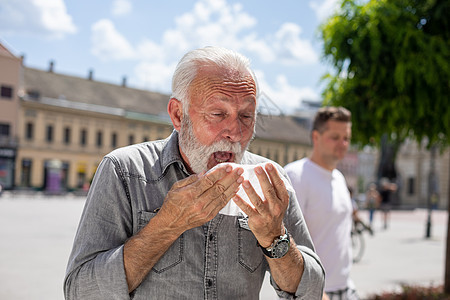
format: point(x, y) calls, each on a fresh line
point(36, 234)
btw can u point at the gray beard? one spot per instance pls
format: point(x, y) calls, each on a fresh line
point(199, 154)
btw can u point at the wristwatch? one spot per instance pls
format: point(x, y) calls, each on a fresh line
point(279, 247)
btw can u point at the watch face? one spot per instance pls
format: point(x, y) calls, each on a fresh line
point(280, 249)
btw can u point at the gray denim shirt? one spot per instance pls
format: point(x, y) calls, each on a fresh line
point(219, 260)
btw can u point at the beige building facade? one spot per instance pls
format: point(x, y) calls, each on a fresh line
point(66, 142)
point(414, 164)
point(10, 77)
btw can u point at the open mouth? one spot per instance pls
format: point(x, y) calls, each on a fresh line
point(223, 156)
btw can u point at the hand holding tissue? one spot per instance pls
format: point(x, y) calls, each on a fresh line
point(231, 209)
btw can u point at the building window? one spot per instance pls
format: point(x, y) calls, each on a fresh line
point(131, 139)
point(114, 140)
point(49, 134)
point(99, 139)
point(4, 130)
point(34, 94)
point(83, 137)
point(25, 179)
point(411, 183)
point(29, 131)
point(67, 135)
point(6, 92)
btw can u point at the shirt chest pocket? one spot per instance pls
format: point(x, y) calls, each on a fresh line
point(173, 256)
point(249, 253)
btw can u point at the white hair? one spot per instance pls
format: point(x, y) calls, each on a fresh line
point(190, 63)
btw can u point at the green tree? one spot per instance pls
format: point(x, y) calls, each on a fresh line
point(391, 69)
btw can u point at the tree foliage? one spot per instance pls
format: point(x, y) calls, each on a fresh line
point(391, 62)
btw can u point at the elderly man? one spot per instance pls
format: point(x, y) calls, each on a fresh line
point(152, 227)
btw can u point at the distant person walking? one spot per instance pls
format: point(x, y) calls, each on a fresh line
point(373, 200)
point(387, 188)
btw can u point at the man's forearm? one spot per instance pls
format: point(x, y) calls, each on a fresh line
point(288, 270)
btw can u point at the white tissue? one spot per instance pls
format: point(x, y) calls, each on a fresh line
point(231, 209)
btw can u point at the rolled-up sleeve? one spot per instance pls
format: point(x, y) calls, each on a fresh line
point(95, 269)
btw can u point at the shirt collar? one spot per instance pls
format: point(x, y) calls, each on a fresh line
point(171, 153)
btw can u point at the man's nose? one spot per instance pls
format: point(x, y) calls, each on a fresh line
point(233, 131)
point(345, 142)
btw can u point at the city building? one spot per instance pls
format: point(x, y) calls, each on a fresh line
point(10, 77)
point(414, 165)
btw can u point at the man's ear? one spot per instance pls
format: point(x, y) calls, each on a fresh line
point(314, 135)
point(175, 110)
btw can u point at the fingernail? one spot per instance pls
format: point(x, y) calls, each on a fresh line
point(270, 167)
point(258, 170)
point(240, 171)
point(246, 184)
point(240, 179)
point(229, 169)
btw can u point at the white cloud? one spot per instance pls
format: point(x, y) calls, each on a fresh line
point(285, 95)
point(324, 9)
point(290, 48)
point(259, 47)
point(214, 22)
point(48, 18)
point(108, 43)
point(147, 50)
point(121, 7)
point(155, 76)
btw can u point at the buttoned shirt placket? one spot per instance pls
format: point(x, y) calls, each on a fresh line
point(211, 257)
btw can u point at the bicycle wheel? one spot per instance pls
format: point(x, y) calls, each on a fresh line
point(358, 245)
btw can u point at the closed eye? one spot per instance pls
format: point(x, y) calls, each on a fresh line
point(247, 119)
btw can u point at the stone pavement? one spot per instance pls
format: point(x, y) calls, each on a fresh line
point(401, 254)
point(36, 234)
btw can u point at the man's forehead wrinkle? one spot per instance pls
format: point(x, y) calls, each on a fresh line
point(218, 80)
point(208, 86)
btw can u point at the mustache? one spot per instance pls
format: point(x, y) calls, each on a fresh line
point(223, 146)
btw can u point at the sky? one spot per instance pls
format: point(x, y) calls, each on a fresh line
point(144, 39)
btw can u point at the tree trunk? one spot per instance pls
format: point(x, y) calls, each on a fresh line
point(387, 168)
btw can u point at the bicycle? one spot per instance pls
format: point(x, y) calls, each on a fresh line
point(358, 243)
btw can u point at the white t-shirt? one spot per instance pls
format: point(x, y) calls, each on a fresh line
point(327, 209)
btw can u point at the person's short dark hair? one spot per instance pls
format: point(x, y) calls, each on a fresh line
point(330, 113)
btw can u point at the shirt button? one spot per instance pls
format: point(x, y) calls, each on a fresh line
point(209, 282)
point(211, 237)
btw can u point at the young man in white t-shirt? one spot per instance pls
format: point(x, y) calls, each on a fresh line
point(325, 200)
